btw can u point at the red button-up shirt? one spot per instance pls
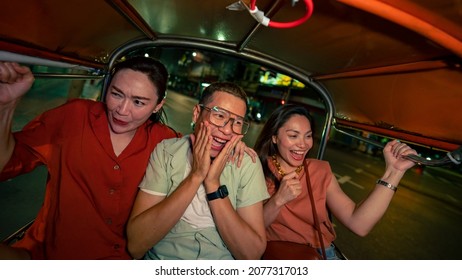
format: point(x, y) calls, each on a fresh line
point(90, 190)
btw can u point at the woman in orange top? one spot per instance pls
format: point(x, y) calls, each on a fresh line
point(283, 147)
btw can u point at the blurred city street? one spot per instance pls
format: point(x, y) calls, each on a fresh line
point(424, 220)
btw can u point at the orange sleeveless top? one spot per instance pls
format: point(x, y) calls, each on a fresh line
point(295, 221)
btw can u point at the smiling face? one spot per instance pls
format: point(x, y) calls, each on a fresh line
point(294, 139)
point(221, 135)
point(131, 99)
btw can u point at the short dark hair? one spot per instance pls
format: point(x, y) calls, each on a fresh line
point(229, 87)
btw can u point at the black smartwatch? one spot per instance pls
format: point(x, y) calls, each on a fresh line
point(222, 192)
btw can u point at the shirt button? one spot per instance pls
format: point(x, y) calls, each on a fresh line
point(109, 221)
point(116, 246)
point(112, 191)
point(116, 167)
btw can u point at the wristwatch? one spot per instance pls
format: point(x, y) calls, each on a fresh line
point(222, 192)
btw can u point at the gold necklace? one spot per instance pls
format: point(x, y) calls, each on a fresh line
point(280, 171)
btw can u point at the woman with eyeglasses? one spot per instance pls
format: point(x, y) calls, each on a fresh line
point(195, 204)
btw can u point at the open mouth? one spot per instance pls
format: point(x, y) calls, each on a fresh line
point(298, 155)
point(218, 143)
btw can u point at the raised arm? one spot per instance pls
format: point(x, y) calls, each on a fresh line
point(362, 218)
point(15, 81)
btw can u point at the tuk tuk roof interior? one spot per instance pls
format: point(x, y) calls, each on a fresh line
point(388, 66)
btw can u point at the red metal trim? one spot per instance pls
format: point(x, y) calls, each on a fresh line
point(417, 139)
point(447, 35)
point(134, 17)
point(392, 69)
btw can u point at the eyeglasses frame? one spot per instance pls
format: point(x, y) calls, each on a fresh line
point(230, 113)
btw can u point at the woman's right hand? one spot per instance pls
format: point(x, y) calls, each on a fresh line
point(289, 189)
point(15, 81)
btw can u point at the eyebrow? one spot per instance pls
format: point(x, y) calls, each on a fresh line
point(133, 97)
point(296, 131)
point(229, 112)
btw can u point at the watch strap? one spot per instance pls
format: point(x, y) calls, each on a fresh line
point(221, 192)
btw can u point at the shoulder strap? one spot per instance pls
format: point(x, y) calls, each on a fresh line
point(315, 214)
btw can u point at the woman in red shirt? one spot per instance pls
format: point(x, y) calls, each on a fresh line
point(96, 154)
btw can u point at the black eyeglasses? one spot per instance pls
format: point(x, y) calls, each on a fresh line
point(220, 117)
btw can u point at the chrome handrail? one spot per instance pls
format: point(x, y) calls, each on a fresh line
point(454, 157)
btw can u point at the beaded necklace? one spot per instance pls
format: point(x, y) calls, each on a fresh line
point(280, 171)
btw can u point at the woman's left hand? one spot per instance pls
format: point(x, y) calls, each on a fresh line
point(239, 151)
point(394, 152)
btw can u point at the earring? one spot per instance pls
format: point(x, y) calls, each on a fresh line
point(193, 125)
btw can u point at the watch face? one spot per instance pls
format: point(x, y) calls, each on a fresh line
point(223, 191)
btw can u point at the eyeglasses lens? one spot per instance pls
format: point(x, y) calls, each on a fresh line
point(220, 118)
